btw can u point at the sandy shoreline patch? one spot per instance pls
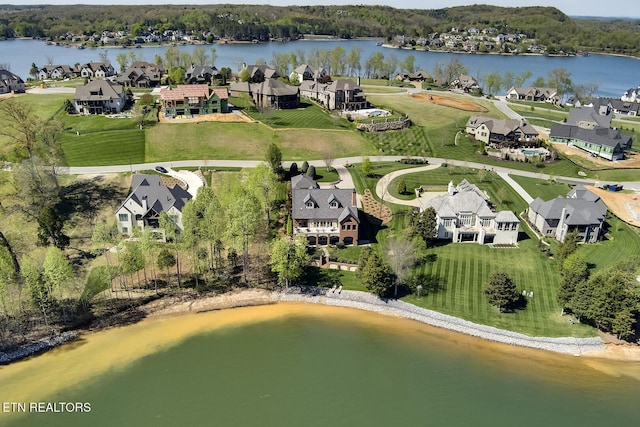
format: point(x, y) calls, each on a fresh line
point(585, 347)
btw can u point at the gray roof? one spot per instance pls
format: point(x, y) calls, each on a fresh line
point(267, 87)
point(342, 84)
point(99, 90)
point(6, 76)
point(466, 198)
point(506, 216)
point(502, 126)
point(321, 198)
point(588, 114)
point(535, 91)
point(303, 181)
point(159, 197)
point(195, 71)
point(582, 207)
point(274, 87)
point(624, 107)
point(599, 135)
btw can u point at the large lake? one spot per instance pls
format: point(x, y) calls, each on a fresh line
point(614, 75)
point(308, 365)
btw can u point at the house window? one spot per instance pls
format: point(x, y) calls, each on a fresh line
point(333, 205)
point(193, 100)
point(310, 205)
point(549, 231)
point(125, 230)
point(123, 217)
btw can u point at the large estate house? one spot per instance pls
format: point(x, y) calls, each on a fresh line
point(99, 97)
point(500, 132)
point(464, 214)
point(56, 72)
point(324, 215)
point(538, 94)
point(588, 128)
point(148, 199)
point(270, 93)
point(97, 70)
point(343, 94)
point(581, 211)
point(10, 83)
point(193, 100)
point(141, 74)
point(200, 74)
point(306, 72)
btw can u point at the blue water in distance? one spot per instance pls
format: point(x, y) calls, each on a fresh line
point(613, 74)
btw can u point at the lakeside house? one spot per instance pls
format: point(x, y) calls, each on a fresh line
point(141, 74)
point(617, 106)
point(326, 216)
point(306, 72)
point(465, 83)
point(200, 74)
point(99, 97)
point(260, 73)
point(55, 72)
point(97, 70)
point(501, 132)
point(10, 83)
point(581, 211)
point(148, 199)
point(193, 100)
point(536, 94)
point(270, 93)
point(342, 94)
point(464, 214)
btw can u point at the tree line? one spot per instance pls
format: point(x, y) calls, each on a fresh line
point(547, 25)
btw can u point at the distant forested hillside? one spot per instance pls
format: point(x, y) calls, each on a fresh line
point(547, 25)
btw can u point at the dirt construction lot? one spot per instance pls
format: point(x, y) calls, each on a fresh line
point(632, 161)
point(227, 117)
point(447, 101)
point(621, 204)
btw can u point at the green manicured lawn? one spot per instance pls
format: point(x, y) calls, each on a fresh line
point(622, 241)
point(461, 269)
point(542, 114)
point(538, 105)
point(546, 190)
point(441, 176)
point(308, 116)
point(115, 147)
point(324, 175)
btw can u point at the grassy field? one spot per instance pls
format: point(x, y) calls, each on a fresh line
point(461, 269)
point(539, 105)
point(307, 116)
point(546, 190)
point(433, 131)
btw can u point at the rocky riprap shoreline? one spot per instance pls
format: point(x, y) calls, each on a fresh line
point(370, 302)
point(36, 347)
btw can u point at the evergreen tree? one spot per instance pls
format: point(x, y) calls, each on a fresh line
point(376, 276)
point(501, 291)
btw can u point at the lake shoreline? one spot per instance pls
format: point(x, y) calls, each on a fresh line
point(252, 297)
point(584, 347)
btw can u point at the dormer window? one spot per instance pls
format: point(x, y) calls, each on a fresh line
point(333, 202)
point(309, 203)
